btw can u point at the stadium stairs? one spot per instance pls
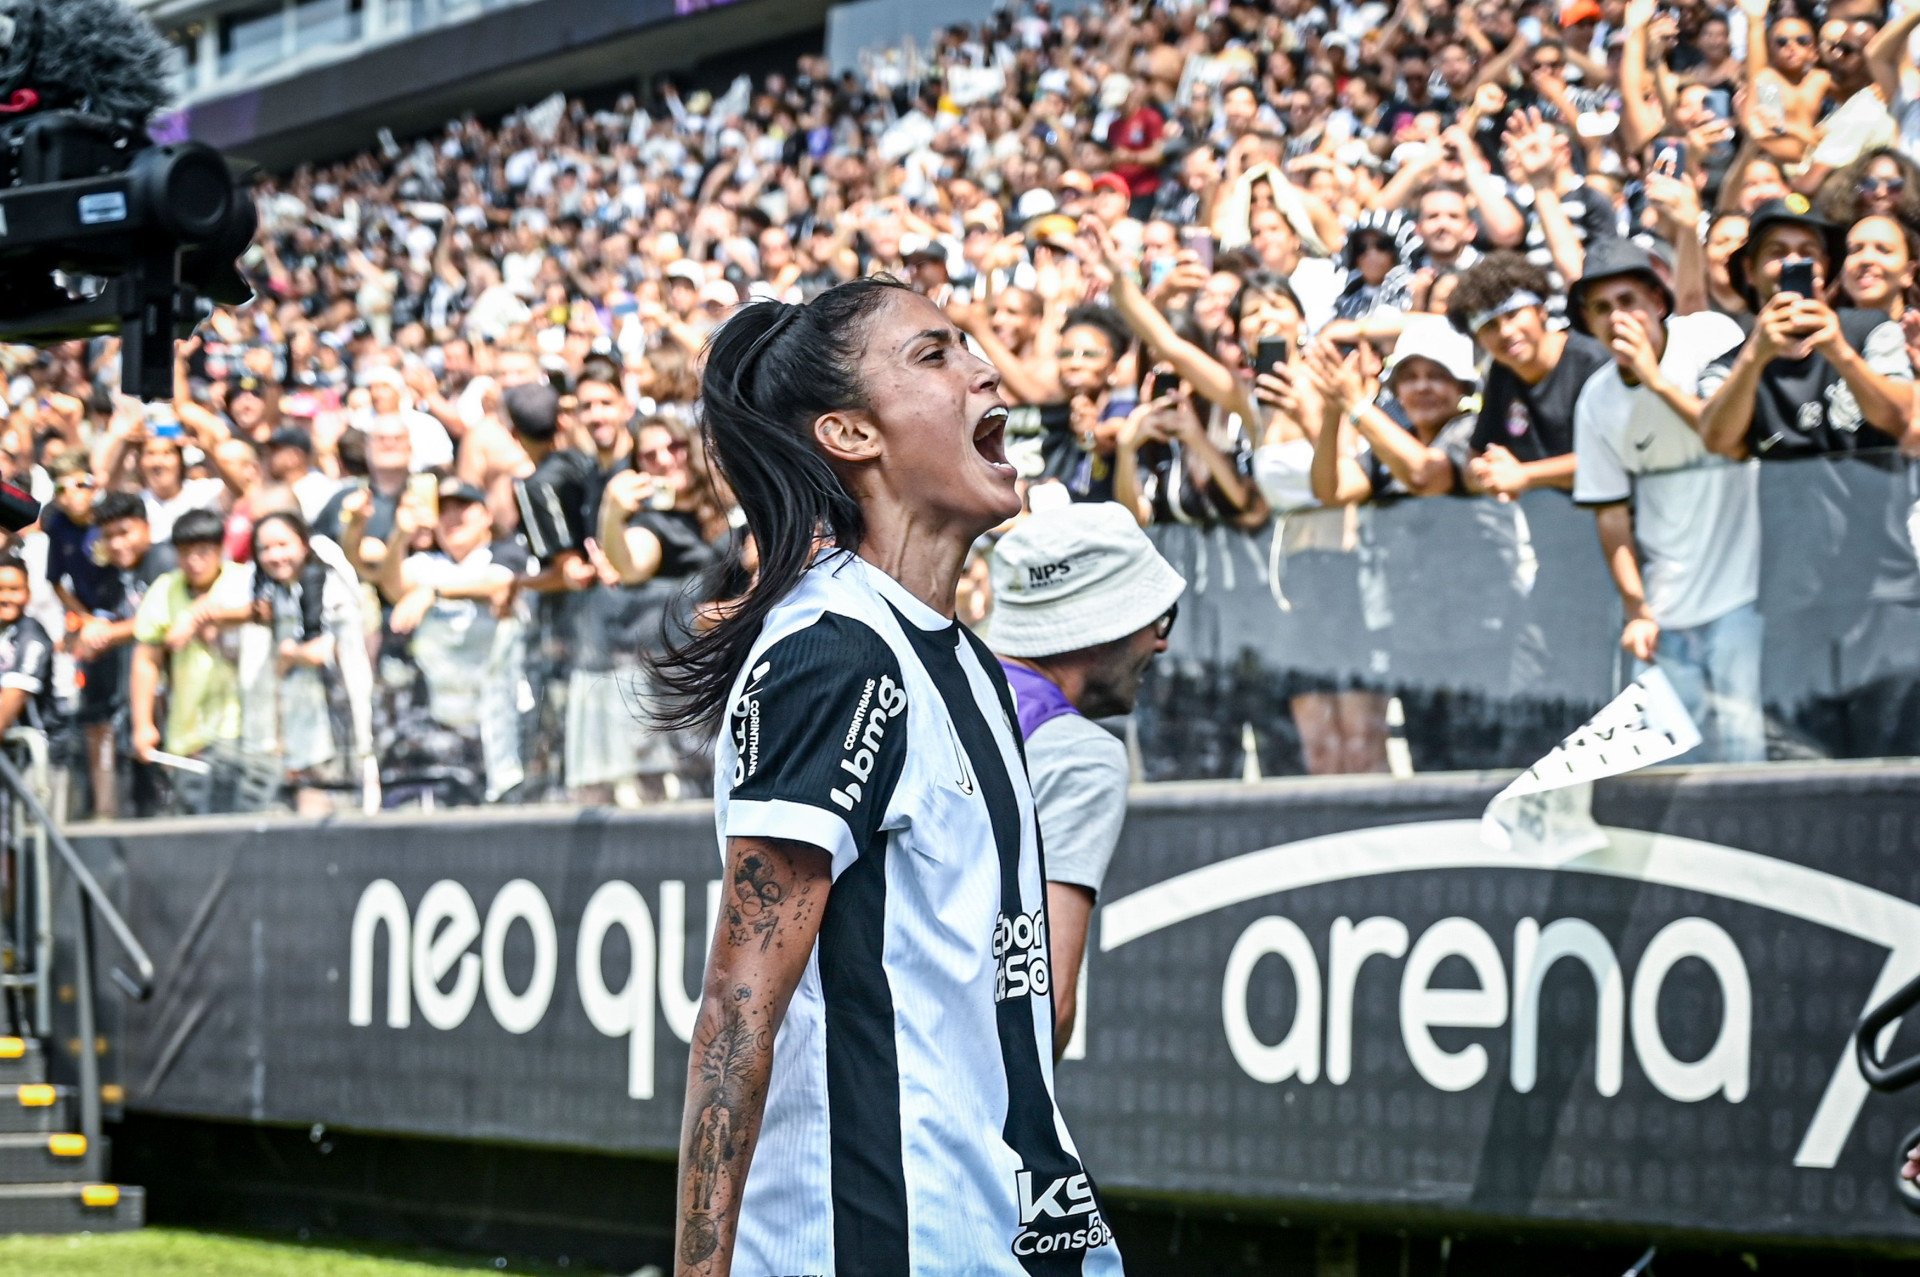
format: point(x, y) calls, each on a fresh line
point(53, 1157)
point(45, 1163)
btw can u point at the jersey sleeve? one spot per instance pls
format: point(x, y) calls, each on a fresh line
point(31, 669)
point(819, 735)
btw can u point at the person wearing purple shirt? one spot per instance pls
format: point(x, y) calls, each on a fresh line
point(1082, 604)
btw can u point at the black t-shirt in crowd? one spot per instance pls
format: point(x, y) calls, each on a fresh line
point(121, 590)
point(1591, 216)
point(26, 664)
point(553, 503)
point(1087, 475)
point(683, 551)
point(1536, 422)
point(1802, 407)
point(1836, 526)
point(1179, 486)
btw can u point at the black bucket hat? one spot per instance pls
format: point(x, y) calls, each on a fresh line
point(1791, 211)
point(1607, 259)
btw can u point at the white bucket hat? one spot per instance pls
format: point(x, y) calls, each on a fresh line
point(1077, 577)
point(1433, 337)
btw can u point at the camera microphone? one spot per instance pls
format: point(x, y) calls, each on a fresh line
point(95, 56)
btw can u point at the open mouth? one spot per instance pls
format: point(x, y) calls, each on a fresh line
point(990, 440)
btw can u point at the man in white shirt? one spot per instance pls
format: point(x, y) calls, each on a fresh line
point(432, 445)
point(1082, 604)
point(1680, 527)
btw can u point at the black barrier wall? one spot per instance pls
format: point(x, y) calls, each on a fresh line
point(1324, 993)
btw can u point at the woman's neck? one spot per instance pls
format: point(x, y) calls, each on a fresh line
point(923, 556)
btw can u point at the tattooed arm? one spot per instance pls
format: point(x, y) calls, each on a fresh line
point(776, 894)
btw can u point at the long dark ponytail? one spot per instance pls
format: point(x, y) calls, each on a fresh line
point(772, 371)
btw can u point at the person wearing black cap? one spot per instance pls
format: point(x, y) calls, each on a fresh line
point(1811, 380)
point(1680, 528)
point(1840, 587)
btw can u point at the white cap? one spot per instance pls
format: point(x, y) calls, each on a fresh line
point(1433, 337)
point(1077, 577)
point(1035, 203)
point(688, 270)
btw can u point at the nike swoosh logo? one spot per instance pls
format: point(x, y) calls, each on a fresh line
point(960, 756)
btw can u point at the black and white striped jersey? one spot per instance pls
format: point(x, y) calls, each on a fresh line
point(910, 1125)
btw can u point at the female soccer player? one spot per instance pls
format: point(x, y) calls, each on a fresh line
point(870, 1088)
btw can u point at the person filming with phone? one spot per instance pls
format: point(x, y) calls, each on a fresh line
point(1814, 384)
point(1810, 380)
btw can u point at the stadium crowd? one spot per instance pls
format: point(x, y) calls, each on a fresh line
point(1266, 274)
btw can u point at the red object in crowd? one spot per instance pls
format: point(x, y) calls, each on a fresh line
point(1137, 132)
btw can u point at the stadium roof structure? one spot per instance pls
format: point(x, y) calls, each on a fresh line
point(281, 81)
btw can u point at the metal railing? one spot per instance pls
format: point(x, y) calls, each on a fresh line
point(34, 901)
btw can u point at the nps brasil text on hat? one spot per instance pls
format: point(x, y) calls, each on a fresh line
point(1606, 259)
point(1077, 577)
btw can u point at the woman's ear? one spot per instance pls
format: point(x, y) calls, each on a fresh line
point(847, 436)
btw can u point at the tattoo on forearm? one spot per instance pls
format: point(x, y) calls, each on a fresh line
point(725, 1070)
point(732, 1057)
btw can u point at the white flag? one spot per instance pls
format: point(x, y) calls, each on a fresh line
point(1547, 813)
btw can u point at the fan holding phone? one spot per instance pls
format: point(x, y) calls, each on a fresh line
point(1810, 380)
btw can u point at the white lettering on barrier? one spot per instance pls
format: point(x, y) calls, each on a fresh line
point(1348, 948)
point(1423, 1008)
point(437, 951)
point(380, 903)
point(629, 1012)
point(678, 1007)
point(519, 901)
point(438, 940)
point(1534, 953)
point(1725, 1066)
point(1636, 855)
point(1298, 1053)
